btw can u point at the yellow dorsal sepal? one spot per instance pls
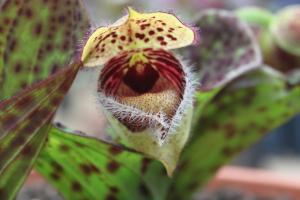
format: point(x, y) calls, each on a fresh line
point(135, 31)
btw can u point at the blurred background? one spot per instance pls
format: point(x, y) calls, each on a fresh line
point(278, 152)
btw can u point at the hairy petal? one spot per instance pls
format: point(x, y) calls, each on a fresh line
point(135, 31)
point(228, 48)
point(164, 138)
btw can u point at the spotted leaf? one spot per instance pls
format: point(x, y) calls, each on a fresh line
point(86, 168)
point(227, 50)
point(24, 123)
point(239, 116)
point(136, 31)
point(36, 39)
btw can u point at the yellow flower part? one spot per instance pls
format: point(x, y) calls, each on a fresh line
point(136, 31)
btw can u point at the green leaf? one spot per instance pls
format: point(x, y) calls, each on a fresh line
point(228, 50)
point(239, 116)
point(87, 168)
point(36, 39)
point(24, 123)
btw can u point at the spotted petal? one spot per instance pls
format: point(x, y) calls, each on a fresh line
point(136, 31)
point(227, 50)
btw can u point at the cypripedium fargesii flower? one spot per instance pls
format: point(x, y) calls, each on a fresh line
point(145, 88)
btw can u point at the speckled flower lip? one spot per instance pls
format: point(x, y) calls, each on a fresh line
point(141, 82)
point(149, 80)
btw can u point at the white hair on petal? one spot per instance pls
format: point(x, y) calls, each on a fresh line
point(191, 84)
point(131, 113)
point(158, 121)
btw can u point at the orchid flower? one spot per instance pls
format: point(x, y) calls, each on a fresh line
point(144, 86)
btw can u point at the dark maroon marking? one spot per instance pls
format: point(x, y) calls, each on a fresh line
point(24, 102)
point(140, 36)
point(143, 26)
point(12, 45)
point(151, 32)
point(113, 65)
point(165, 64)
point(160, 38)
point(8, 121)
point(64, 148)
point(76, 186)
point(94, 168)
point(171, 30)
point(86, 169)
point(230, 129)
point(54, 68)
point(114, 189)
point(160, 29)
point(18, 141)
point(61, 19)
point(144, 190)
point(112, 166)
point(27, 150)
point(29, 128)
point(18, 68)
point(65, 45)
point(123, 37)
point(168, 66)
point(143, 81)
point(57, 167)
point(115, 150)
point(28, 13)
point(111, 197)
point(164, 43)
point(55, 176)
point(6, 20)
point(36, 69)
point(171, 37)
point(111, 75)
point(144, 165)
point(49, 47)
point(55, 101)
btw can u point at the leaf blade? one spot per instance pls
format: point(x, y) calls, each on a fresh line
point(19, 142)
point(38, 37)
point(101, 169)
